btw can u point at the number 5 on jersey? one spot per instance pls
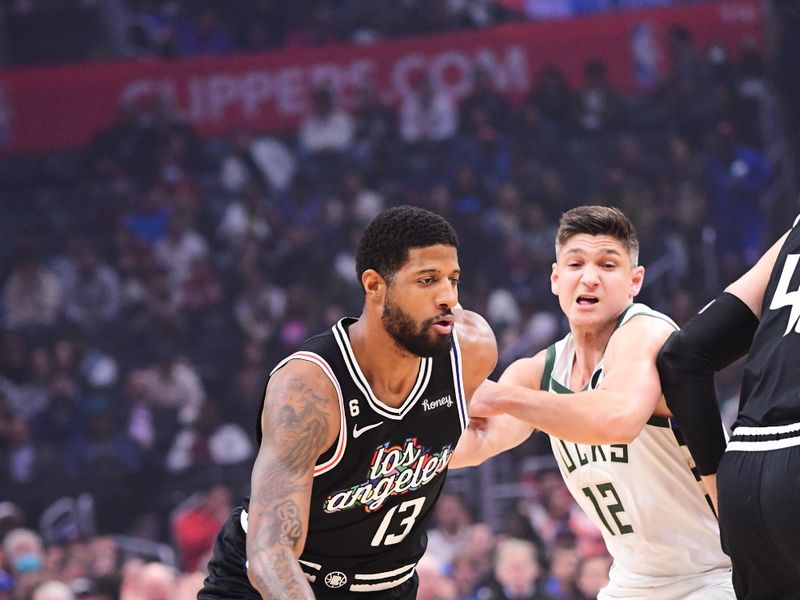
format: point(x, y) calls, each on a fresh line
point(783, 297)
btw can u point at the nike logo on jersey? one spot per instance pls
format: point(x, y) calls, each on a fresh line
point(783, 297)
point(357, 432)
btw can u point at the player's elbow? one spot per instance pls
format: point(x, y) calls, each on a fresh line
point(621, 426)
point(679, 354)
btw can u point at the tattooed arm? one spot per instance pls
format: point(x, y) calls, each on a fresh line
point(300, 421)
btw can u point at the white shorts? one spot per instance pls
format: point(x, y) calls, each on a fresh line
point(708, 586)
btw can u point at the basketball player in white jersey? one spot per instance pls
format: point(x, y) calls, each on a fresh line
point(610, 431)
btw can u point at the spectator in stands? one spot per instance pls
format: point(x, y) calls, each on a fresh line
point(537, 143)
point(32, 294)
point(688, 101)
point(88, 589)
point(466, 573)
point(210, 441)
point(153, 30)
point(517, 573)
point(23, 550)
point(260, 308)
point(158, 582)
point(553, 97)
point(593, 575)
point(598, 107)
point(364, 202)
point(264, 162)
point(739, 176)
point(561, 583)
point(159, 311)
point(126, 152)
point(203, 33)
point(179, 249)
point(326, 135)
point(92, 293)
point(52, 590)
point(494, 106)
point(248, 217)
point(428, 115)
point(148, 221)
point(375, 131)
point(173, 383)
point(486, 149)
point(433, 583)
point(195, 528)
point(428, 120)
point(751, 91)
point(450, 528)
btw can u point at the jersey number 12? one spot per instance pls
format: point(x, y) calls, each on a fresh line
point(606, 490)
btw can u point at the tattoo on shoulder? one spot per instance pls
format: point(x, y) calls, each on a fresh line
point(300, 418)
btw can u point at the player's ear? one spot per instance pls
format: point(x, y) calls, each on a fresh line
point(373, 283)
point(554, 279)
point(637, 278)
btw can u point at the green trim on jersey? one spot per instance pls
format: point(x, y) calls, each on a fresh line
point(549, 363)
point(552, 385)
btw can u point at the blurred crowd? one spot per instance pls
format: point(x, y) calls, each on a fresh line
point(151, 281)
point(41, 31)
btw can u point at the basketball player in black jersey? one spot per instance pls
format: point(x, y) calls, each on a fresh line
point(758, 472)
point(358, 429)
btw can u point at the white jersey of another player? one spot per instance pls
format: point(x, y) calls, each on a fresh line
point(645, 497)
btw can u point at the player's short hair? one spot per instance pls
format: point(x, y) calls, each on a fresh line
point(599, 220)
point(388, 238)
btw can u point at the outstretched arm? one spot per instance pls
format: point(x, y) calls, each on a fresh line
point(484, 437)
point(721, 333)
point(615, 412)
point(300, 420)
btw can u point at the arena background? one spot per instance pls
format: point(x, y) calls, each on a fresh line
point(182, 185)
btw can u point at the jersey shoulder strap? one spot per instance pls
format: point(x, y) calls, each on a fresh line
point(636, 309)
point(549, 363)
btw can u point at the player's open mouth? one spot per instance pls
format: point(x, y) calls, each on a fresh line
point(444, 324)
point(587, 300)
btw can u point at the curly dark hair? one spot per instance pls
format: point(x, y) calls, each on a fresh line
point(388, 238)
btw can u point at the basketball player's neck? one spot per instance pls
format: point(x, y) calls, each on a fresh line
point(589, 344)
point(390, 370)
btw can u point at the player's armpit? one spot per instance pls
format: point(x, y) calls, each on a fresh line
point(300, 420)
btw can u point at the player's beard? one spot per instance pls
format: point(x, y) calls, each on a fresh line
point(422, 341)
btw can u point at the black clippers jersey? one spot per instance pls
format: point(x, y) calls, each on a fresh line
point(771, 384)
point(375, 489)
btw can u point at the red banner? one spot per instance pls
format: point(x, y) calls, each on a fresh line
point(59, 108)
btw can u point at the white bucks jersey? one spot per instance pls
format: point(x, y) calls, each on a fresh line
point(645, 497)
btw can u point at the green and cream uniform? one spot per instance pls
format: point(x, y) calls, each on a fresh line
point(645, 497)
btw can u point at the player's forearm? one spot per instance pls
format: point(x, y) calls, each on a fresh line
point(276, 574)
point(487, 437)
point(597, 417)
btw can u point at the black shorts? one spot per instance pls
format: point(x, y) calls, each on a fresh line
point(759, 518)
point(227, 573)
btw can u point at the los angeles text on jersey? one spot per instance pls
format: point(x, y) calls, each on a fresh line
point(574, 455)
point(394, 470)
